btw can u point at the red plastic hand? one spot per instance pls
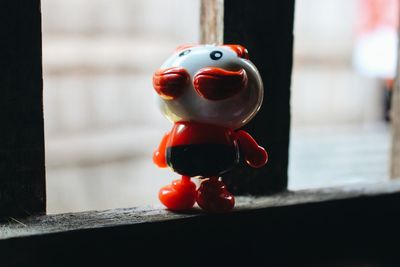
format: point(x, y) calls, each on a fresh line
point(159, 154)
point(255, 155)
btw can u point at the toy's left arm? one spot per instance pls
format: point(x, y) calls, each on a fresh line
point(255, 155)
point(159, 154)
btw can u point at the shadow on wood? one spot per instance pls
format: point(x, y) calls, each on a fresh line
point(333, 227)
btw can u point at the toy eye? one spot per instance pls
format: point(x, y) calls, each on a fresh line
point(215, 55)
point(184, 52)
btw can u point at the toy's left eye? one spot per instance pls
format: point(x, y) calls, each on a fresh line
point(184, 52)
point(215, 55)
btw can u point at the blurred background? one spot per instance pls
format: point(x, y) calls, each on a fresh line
point(344, 63)
point(102, 125)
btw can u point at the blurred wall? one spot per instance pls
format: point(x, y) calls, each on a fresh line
point(101, 122)
point(326, 89)
point(99, 56)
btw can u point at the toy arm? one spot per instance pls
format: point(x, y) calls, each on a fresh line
point(159, 153)
point(255, 155)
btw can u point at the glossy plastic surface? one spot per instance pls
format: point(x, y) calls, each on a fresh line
point(169, 83)
point(223, 86)
point(255, 155)
point(219, 84)
point(208, 92)
point(180, 195)
point(213, 196)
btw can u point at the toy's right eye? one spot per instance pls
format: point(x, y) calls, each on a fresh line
point(184, 52)
point(215, 55)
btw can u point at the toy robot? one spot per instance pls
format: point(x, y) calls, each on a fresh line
point(208, 92)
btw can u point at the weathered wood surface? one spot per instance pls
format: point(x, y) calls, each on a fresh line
point(22, 173)
point(333, 227)
point(265, 28)
point(51, 224)
point(395, 118)
point(211, 21)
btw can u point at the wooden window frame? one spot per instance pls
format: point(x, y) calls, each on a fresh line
point(22, 171)
point(342, 226)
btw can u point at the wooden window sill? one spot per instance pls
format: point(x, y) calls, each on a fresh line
point(345, 225)
point(52, 224)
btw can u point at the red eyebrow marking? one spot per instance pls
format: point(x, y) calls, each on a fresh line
point(240, 50)
point(217, 84)
point(169, 83)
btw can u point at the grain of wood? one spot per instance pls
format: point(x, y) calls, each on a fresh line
point(395, 117)
point(211, 21)
point(52, 224)
point(336, 227)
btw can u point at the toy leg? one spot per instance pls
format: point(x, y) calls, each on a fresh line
point(212, 196)
point(180, 195)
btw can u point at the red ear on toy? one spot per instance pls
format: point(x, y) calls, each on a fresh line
point(183, 47)
point(241, 51)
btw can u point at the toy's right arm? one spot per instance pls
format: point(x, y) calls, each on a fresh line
point(159, 154)
point(255, 155)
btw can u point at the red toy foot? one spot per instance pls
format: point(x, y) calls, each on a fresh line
point(212, 196)
point(180, 195)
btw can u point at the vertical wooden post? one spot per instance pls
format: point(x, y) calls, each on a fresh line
point(265, 28)
point(395, 118)
point(211, 21)
point(22, 172)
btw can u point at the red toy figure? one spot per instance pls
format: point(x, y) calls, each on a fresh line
point(208, 92)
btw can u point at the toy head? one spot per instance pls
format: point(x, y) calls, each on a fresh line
point(209, 84)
